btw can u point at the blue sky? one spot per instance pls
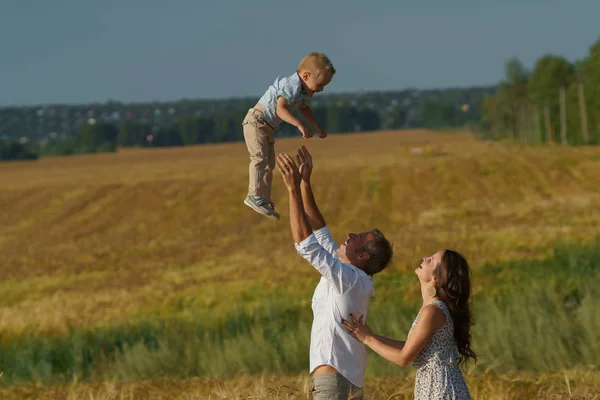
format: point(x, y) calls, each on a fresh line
point(71, 51)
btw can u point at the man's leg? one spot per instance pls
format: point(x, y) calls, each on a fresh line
point(257, 135)
point(334, 387)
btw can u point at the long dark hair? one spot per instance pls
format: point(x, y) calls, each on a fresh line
point(453, 284)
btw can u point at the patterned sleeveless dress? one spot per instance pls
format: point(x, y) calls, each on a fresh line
point(438, 373)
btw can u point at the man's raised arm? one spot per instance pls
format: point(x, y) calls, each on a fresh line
point(315, 218)
point(299, 224)
point(307, 244)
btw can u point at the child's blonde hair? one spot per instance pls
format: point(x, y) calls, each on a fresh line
point(315, 63)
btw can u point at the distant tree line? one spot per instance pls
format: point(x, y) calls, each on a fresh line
point(558, 101)
point(393, 110)
point(12, 151)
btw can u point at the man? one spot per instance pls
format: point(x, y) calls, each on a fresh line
point(337, 360)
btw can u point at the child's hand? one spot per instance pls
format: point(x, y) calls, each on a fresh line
point(307, 133)
point(323, 134)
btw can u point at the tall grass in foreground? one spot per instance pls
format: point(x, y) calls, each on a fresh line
point(535, 331)
point(579, 384)
point(544, 319)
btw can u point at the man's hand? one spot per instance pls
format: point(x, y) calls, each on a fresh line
point(289, 171)
point(307, 133)
point(305, 163)
point(322, 133)
point(291, 177)
point(313, 214)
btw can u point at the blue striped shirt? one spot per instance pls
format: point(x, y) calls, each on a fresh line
point(290, 88)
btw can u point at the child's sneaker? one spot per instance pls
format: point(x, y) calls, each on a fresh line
point(262, 206)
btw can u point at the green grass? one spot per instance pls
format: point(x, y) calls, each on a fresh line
point(537, 315)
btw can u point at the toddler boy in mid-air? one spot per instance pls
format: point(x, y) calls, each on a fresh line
point(314, 72)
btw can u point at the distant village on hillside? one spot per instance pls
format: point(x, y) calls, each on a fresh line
point(44, 124)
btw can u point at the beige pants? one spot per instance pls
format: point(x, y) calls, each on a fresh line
point(334, 387)
point(260, 141)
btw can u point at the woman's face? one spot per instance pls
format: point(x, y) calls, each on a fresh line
point(427, 268)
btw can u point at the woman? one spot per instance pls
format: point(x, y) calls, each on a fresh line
point(440, 338)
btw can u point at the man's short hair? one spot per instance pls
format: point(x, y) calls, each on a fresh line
point(380, 252)
point(316, 63)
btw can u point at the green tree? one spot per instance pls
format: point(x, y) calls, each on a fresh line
point(207, 130)
point(166, 136)
point(399, 117)
point(590, 77)
point(439, 114)
point(12, 151)
point(93, 137)
point(368, 119)
point(341, 118)
point(60, 147)
point(550, 74)
point(133, 133)
point(496, 115)
point(228, 126)
point(189, 129)
point(514, 88)
point(516, 74)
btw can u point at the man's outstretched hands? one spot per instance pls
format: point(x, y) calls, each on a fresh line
point(305, 163)
point(289, 171)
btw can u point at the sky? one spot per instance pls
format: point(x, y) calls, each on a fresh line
point(83, 51)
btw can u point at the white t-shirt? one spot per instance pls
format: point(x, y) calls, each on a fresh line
point(343, 289)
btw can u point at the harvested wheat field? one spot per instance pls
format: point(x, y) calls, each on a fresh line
point(114, 236)
point(572, 385)
point(97, 241)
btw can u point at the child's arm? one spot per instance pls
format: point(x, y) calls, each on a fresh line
point(284, 113)
point(308, 114)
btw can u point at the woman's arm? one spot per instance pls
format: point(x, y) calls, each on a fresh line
point(390, 342)
point(430, 320)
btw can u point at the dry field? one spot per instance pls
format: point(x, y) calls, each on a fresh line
point(88, 240)
point(97, 240)
point(571, 385)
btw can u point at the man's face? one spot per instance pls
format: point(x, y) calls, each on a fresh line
point(351, 250)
